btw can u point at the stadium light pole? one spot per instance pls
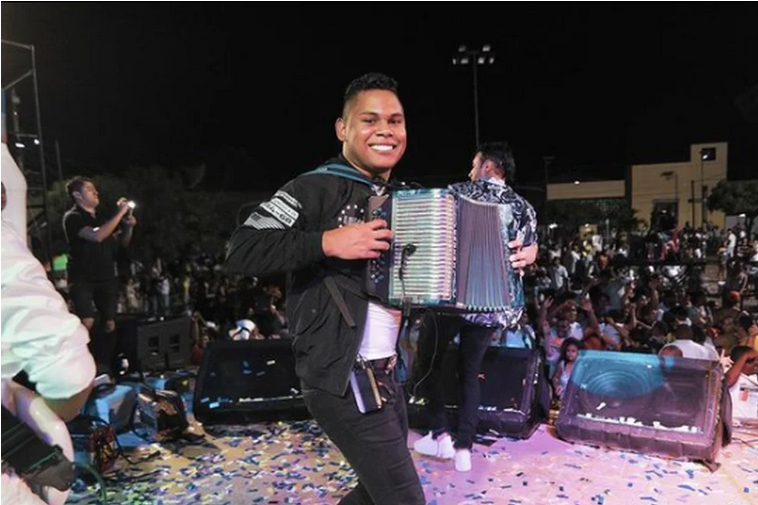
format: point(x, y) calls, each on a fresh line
point(475, 57)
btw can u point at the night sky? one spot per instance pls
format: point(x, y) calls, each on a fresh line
point(254, 89)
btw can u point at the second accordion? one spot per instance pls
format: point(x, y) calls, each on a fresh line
point(449, 252)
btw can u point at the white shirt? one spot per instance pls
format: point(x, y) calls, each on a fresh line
point(15, 189)
point(380, 333)
point(520, 338)
point(731, 243)
point(558, 276)
point(39, 334)
point(575, 258)
point(745, 398)
point(693, 350)
point(577, 331)
point(611, 331)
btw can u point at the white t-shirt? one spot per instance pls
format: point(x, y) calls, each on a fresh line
point(380, 334)
point(611, 331)
point(519, 338)
point(577, 331)
point(575, 259)
point(693, 350)
point(745, 398)
point(731, 244)
point(558, 276)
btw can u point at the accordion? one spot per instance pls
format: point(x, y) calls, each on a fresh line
point(448, 252)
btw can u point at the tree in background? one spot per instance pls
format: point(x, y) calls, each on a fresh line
point(174, 215)
point(736, 197)
point(573, 214)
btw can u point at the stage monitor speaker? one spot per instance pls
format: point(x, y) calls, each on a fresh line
point(240, 382)
point(155, 344)
point(657, 405)
point(511, 399)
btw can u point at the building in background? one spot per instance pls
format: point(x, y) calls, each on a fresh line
point(664, 194)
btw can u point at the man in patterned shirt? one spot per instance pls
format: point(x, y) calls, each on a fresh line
point(492, 167)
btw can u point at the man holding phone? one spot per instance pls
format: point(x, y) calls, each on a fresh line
point(93, 241)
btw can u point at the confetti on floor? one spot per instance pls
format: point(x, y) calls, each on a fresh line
point(295, 463)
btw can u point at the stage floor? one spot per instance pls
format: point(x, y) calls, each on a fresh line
point(294, 462)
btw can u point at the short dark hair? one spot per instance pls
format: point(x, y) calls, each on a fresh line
point(739, 351)
point(698, 334)
point(684, 332)
point(372, 80)
point(75, 185)
point(745, 322)
point(501, 155)
point(661, 326)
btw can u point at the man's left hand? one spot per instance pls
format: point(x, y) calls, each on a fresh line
point(524, 255)
point(130, 221)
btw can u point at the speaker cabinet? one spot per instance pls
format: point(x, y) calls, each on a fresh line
point(248, 381)
point(511, 384)
point(657, 405)
point(155, 344)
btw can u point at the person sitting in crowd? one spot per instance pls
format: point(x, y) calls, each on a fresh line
point(569, 354)
point(727, 337)
point(553, 336)
point(731, 307)
point(747, 331)
point(742, 381)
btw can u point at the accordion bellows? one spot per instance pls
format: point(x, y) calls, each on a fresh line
point(449, 251)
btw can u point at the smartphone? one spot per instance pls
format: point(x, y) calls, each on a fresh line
point(365, 390)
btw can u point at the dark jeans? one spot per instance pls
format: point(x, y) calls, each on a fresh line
point(435, 334)
point(375, 444)
point(103, 293)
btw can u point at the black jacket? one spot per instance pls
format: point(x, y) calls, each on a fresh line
point(284, 235)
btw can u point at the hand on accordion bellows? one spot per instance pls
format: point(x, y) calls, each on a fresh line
point(357, 241)
point(523, 256)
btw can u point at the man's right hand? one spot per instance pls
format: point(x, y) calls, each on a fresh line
point(123, 205)
point(357, 241)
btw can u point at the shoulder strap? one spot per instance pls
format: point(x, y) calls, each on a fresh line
point(341, 171)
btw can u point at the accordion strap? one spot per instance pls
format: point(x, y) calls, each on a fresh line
point(341, 171)
point(331, 285)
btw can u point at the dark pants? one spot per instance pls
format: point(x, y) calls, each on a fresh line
point(375, 444)
point(436, 333)
point(104, 294)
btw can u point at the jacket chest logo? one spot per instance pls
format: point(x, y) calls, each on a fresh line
point(350, 214)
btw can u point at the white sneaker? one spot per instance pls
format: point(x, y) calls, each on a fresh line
point(463, 460)
point(440, 448)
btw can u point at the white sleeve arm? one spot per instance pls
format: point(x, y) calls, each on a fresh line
point(39, 334)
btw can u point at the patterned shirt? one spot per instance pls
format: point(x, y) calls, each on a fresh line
point(523, 226)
